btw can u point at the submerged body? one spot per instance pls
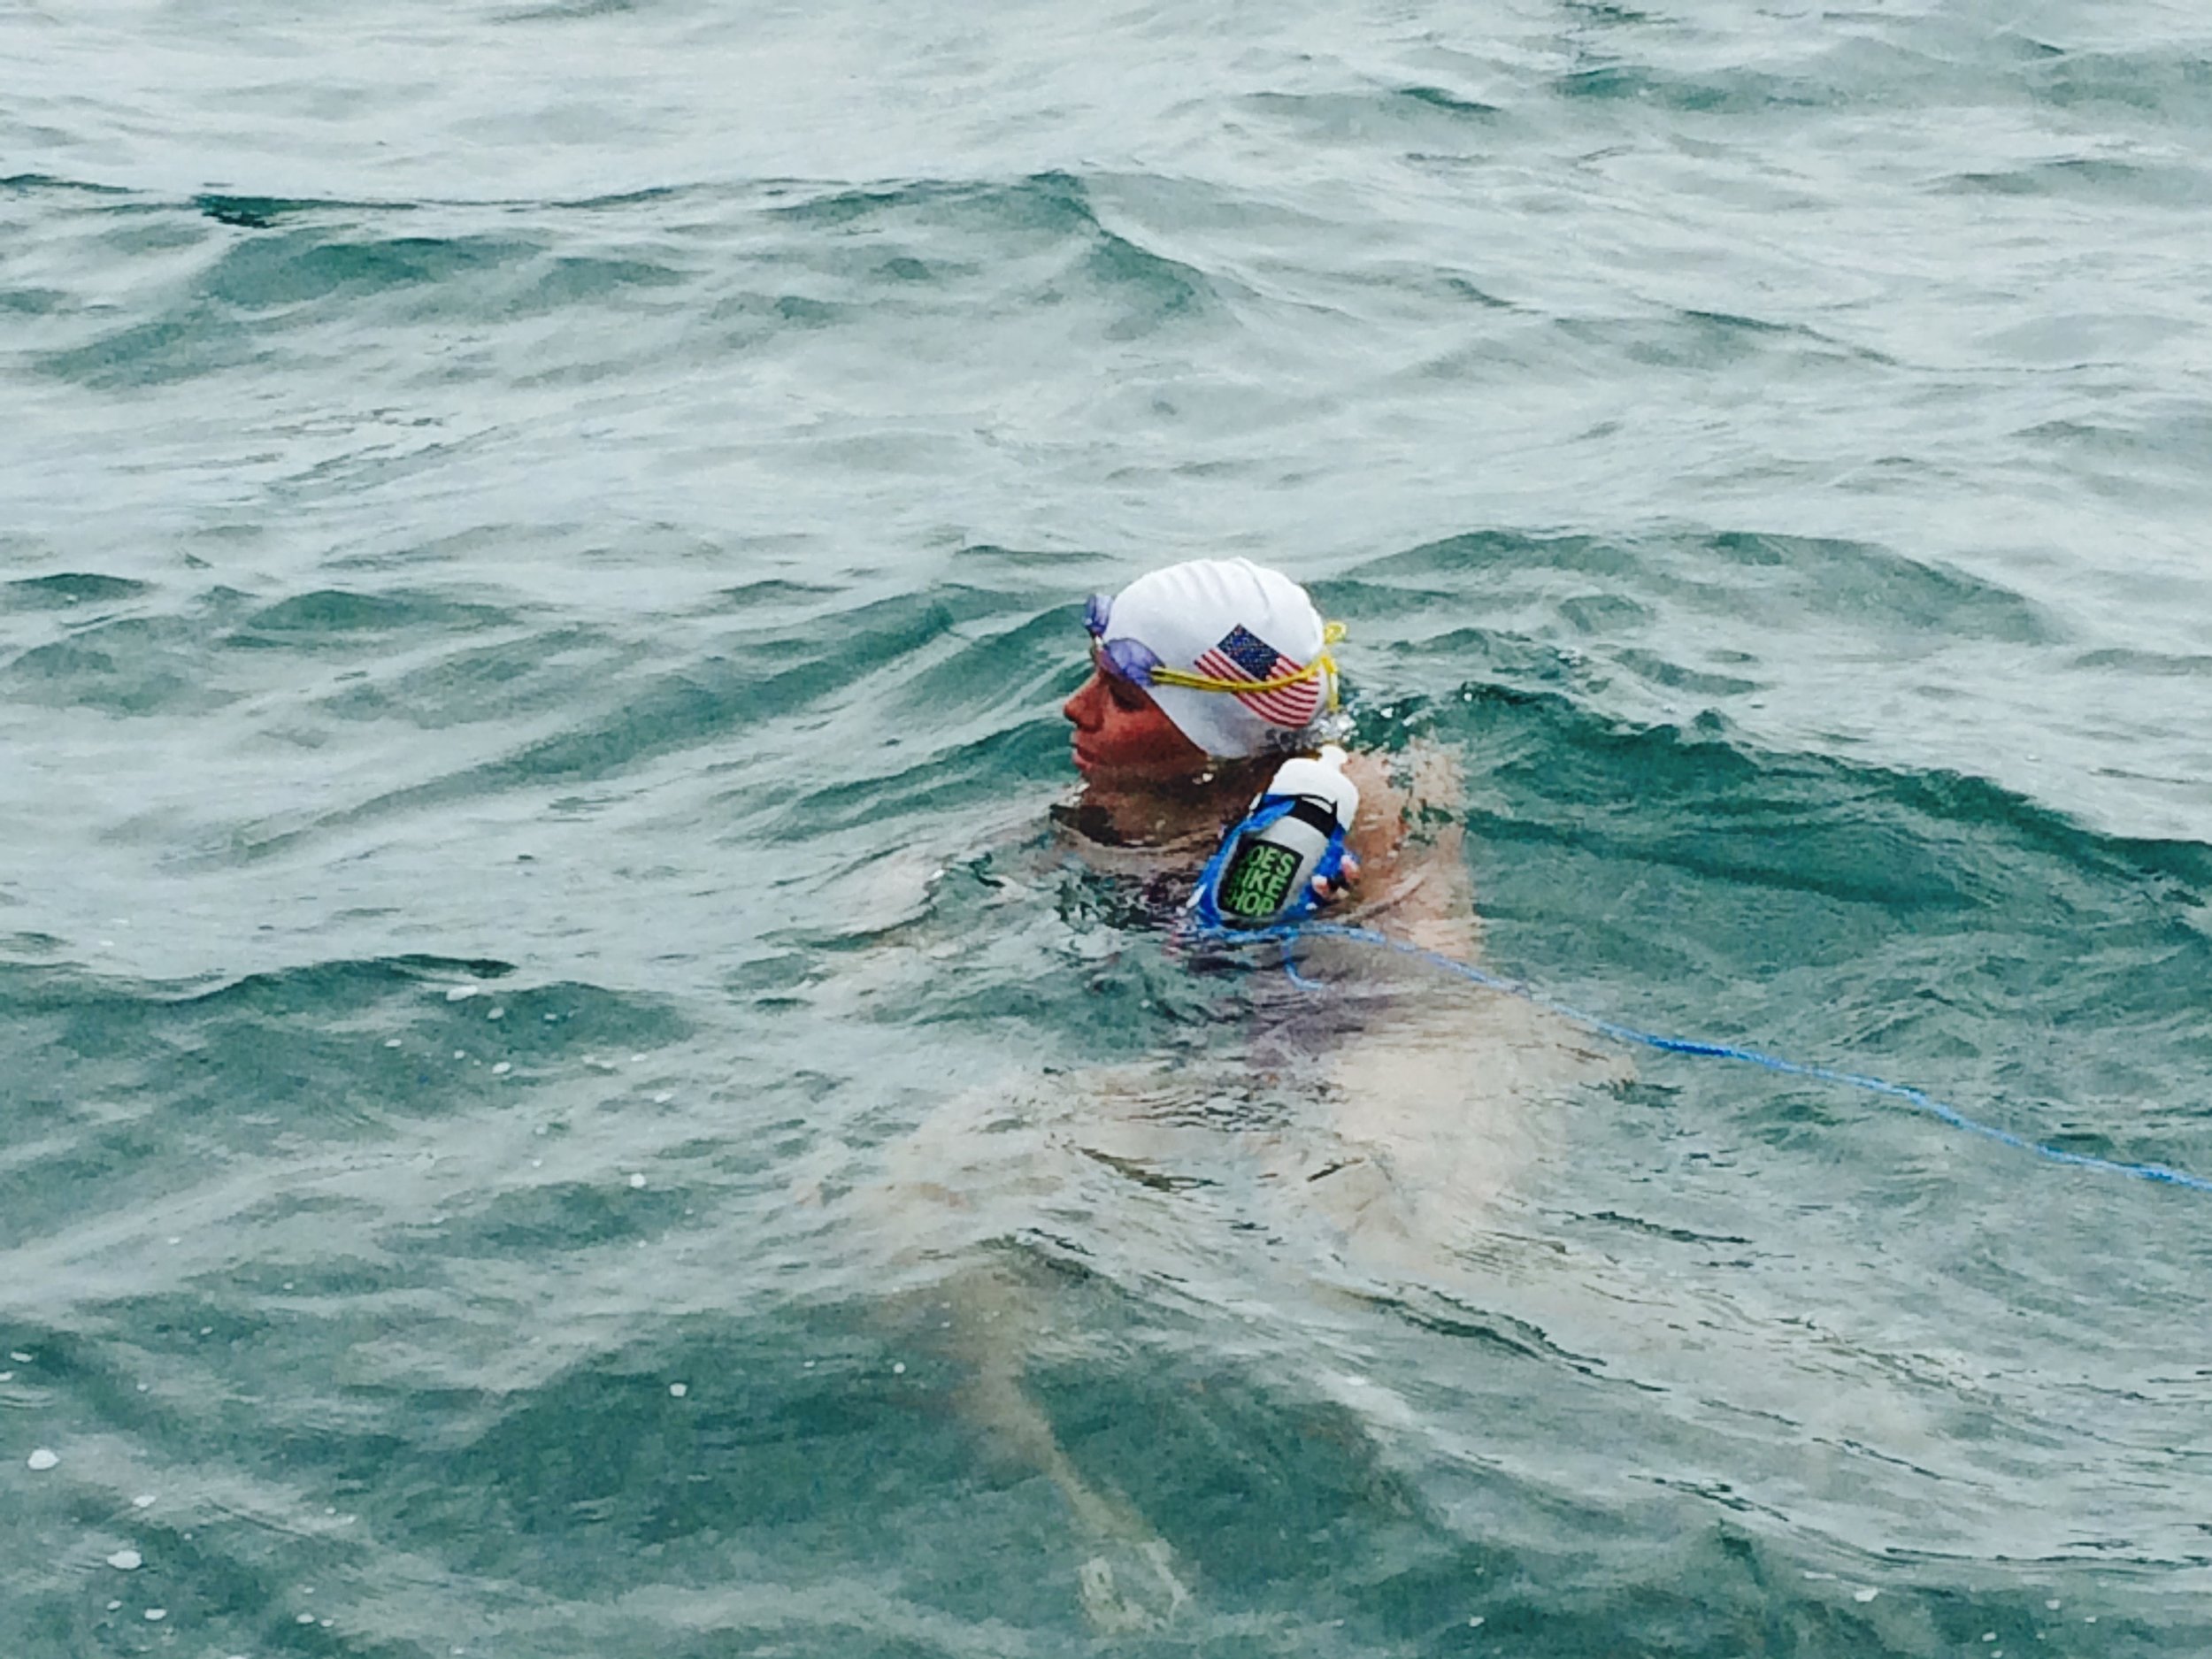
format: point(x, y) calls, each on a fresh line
point(1364, 1118)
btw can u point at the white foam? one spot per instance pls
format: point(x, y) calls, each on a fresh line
point(144, 1501)
point(1864, 1595)
point(460, 993)
point(126, 1561)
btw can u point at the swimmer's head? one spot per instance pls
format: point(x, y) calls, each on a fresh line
point(1216, 658)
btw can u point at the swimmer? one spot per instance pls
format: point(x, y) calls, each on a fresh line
point(1394, 1110)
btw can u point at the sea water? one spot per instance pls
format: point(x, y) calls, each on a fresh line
point(539, 550)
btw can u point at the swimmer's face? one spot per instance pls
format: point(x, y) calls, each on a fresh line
point(1122, 737)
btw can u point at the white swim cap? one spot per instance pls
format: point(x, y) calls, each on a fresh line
point(1210, 627)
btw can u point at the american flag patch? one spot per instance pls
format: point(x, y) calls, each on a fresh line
point(1243, 655)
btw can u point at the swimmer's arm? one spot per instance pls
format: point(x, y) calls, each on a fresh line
point(1439, 1100)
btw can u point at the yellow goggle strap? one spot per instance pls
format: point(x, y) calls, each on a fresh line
point(1324, 662)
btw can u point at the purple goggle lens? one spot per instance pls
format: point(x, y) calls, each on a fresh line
point(1132, 659)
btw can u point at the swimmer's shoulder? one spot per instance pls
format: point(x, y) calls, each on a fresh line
point(1409, 840)
point(1411, 798)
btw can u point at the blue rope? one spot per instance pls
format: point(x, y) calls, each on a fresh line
point(1925, 1102)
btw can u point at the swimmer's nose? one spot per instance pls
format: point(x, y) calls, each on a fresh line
point(1081, 710)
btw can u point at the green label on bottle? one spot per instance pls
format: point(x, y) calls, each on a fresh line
point(1257, 882)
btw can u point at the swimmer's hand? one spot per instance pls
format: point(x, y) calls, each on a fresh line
point(1328, 892)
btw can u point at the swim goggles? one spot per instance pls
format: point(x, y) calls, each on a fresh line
point(1136, 662)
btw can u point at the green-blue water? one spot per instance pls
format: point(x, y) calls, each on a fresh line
point(542, 549)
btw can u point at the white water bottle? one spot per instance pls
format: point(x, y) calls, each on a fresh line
point(1267, 873)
